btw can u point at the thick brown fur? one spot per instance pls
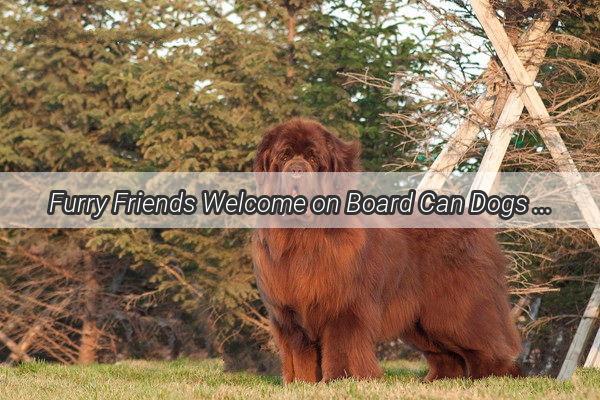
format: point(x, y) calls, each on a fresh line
point(332, 294)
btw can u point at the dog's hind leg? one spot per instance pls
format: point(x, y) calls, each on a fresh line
point(481, 365)
point(443, 364)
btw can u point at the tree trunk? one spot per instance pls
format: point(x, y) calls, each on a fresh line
point(90, 333)
point(291, 36)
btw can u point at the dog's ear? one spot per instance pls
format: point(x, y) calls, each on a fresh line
point(345, 156)
point(262, 160)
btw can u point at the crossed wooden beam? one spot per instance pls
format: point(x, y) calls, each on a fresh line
point(532, 49)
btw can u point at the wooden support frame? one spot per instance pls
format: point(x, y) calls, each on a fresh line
point(559, 152)
point(524, 94)
point(511, 113)
point(466, 134)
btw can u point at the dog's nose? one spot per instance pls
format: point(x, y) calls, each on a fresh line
point(296, 166)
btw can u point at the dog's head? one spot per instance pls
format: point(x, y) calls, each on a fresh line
point(302, 145)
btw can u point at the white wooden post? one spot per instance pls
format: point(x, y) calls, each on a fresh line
point(589, 316)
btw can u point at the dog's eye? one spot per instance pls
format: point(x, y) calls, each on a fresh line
point(285, 157)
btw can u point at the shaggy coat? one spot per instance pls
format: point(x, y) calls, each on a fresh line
point(333, 294)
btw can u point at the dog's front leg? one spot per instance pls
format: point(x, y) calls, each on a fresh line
point(299, 356)
point(348, 350)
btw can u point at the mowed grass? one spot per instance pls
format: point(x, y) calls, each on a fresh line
point(185, 379)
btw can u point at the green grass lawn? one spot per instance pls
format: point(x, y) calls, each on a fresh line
point(185, 379)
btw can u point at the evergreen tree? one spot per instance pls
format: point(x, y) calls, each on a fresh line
point(70, 101)
point(170, 86)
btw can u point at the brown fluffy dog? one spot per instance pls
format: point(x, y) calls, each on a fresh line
point(332, 294)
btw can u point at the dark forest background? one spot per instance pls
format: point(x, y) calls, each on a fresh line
point(190, 85)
